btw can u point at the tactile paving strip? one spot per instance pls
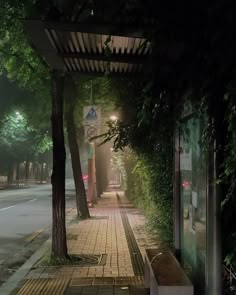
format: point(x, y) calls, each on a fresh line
point(135, 254)
point(44, 286)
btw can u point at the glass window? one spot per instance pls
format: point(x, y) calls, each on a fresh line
point(193, 201)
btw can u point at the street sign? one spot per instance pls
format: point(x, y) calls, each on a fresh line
point(92, 115)
point(91, 131)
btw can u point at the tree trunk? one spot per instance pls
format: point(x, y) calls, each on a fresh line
point(34, 173)
point(59, 246)
point(10, 175)
point(102, 159)
point(18, 173)
point(37, 173)
point(42, 173)
point(27, 172)
point(81, 200)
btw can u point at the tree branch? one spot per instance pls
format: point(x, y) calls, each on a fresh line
point(16, 55)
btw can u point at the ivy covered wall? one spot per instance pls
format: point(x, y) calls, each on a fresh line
point(149, 186)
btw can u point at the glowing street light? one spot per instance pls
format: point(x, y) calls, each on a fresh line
point(113, 118)
point(18, 115)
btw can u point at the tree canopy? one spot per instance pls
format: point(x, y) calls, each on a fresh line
point(20, 141)
point(25, 89)
point(18, 60)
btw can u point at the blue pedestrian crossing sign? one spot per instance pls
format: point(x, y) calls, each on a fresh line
point(92, 115)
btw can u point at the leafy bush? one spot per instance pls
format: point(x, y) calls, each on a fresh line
point(149, 186)
point(229, 178)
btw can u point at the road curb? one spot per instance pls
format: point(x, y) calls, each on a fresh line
point(9, 286)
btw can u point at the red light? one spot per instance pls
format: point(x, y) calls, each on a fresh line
point(85, 177)
point(186, 184)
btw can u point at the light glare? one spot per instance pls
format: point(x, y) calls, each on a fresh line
point(113, 118)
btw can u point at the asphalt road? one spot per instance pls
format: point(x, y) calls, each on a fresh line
point(25, 223)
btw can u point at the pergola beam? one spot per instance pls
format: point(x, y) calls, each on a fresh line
point(40, 41)
point(121, 75)
point(101, 29)
point(113, 58)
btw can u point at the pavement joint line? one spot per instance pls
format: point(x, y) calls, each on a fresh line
point(9, 286)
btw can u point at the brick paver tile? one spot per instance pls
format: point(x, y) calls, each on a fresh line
point(81, 281)
point(102, 234)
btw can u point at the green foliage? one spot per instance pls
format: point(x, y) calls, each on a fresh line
point(145, 127)
point(20, 141)
point(21, 64)
point(93, 92)
point(18, 59)
point(118, 132)
point(149, 186)
point(25, 138)
point(14, 132)
point(117, 164)
point(229, 179)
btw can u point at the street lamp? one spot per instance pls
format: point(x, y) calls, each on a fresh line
point(113, 118)
point(18, 115)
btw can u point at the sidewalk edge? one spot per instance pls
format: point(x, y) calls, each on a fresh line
point(11, 284)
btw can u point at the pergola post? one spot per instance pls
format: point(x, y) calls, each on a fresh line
point(176, 201)
point(214, 245)
point(59, 246)
point(216, 111)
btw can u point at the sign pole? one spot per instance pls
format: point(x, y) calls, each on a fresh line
point(92, 192)
point(92, 123)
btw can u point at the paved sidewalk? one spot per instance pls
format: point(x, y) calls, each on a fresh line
point(106, 244)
